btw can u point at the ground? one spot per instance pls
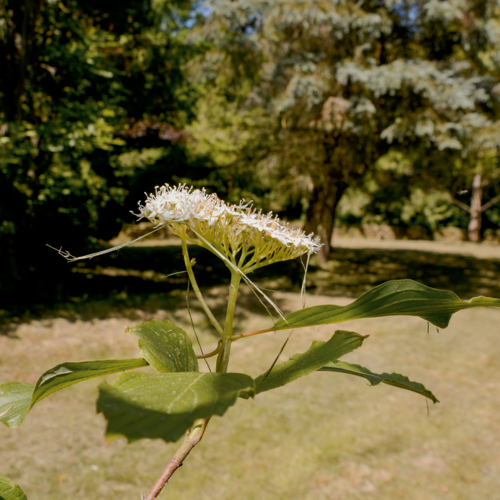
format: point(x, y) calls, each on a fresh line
point(324, 437)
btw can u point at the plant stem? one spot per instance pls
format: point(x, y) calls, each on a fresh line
point(189, 269)
point(223, 357)
point(210, 354)
point(192, 438)
point(243, 335)
point(194, 435)
point(231, 304)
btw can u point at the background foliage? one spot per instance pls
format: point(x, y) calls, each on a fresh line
point(387, 111)
point(93, 103)
point(344, 84)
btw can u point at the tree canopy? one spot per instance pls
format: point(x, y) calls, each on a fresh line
point(93, 105)
point(343, 83)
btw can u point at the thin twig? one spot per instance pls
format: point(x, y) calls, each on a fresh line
point(303, 298)
point(213, 353)
point(458, 203)
point(194, 329)
point(189, 268)
point(71, 258)
point(277, 357)
point(250, 334)
point(304, 282)
point(192, 438)
point(490, 203)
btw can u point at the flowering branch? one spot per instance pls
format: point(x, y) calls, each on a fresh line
point(244, 240)
point(230, 229)
point(164, 404)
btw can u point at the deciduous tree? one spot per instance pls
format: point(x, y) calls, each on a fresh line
point(341, 82)
point(92, 97)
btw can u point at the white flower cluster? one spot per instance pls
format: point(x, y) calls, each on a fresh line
point(248, 238)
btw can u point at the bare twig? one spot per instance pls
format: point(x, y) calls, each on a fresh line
point(194, 329)
point(213, 353)
point(71, 258)
point(277, 357)
point(192, 438)
point(490, 203)
point(194, 284)
point(250, 334)
point(460, 204)
point(456, 202)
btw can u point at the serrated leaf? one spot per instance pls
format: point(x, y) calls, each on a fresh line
point(300, 365)
point(394, 298)
point(17, 399)
point(393, 379)
point(10, 490)
point(166, 347)
point(165, 405)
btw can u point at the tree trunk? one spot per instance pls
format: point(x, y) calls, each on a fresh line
point(320, 216)
point(474, 229)
point(20, 17)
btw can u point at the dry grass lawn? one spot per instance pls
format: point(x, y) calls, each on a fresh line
point(324, 437)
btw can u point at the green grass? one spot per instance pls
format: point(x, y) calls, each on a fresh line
point(324, 437)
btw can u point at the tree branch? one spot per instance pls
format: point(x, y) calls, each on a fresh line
point(444, 188)
point(489, 176)
point(492, 202)
point(213, 353)
point(460, 204)
point(192, 438)
point(250, 334)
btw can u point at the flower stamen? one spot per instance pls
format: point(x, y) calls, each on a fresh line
point(232, 229)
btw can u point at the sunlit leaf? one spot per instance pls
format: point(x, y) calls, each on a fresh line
point(300, 365)
point(394, 298)
point(166, 347)
point(393, 379)
point(66, 374)
point(17, 399)
point(165, 405)
point(10, 490)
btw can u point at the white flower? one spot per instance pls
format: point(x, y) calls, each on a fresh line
point(248, 238)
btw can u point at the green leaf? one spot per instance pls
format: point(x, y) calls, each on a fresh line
point(66, 374)
point(165, 405)
point(394, 298)
point(17, 399)
point(393, 379)
point(166, 347)
point(10, 490)
point(314, 358)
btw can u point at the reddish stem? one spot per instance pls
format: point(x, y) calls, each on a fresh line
point(192, 438)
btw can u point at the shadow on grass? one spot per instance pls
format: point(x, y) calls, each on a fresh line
point(353, 271)
point(143, 278)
